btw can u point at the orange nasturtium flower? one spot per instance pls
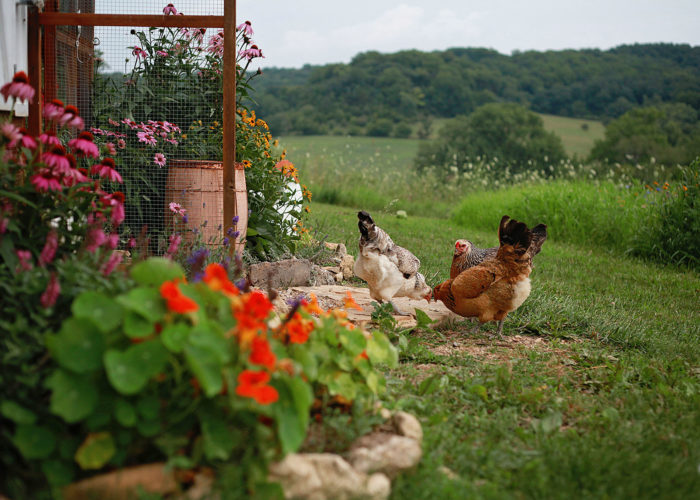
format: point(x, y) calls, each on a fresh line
point(175, 299)
point(216, 277)
point(254, 385)
point(299, 329)
point(313, 307)
point(261, 354)
point(350, 302)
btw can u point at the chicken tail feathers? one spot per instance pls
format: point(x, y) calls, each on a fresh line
point(514, 233)
point(539, 235)
point(365, 223)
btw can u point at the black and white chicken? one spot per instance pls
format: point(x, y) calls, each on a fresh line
point(389, 270)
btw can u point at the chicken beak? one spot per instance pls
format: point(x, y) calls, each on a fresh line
point(428, 296)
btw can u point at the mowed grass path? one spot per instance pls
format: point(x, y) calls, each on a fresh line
point(594, 392)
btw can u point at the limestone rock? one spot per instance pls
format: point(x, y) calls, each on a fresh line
point(408, 425)
point(281, 274)
point(384, 452)
point(347, 263)
point(325, 476)
point(320, 276)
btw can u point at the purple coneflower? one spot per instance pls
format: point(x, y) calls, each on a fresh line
point(18, 88)
point(84, 145)
point(169, 9)
point(159, 159)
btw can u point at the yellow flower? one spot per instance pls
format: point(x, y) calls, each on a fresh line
point(307, 210)
point(276, 143)
point(184, 136)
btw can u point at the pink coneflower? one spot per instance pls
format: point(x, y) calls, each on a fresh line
point(159, 159)
point(18, 88)
point(121, 144)
point(112, 241)
point(25, 260)
point(216, 44)
point(71, 118)
point(25, 140)
point(116, 201)
point(10, 132)
point(50, 295)
point(84, 145)
point(49, 139)
point(252, 52)
point(53, 110)
point(45, 181)
point(176, 208)
point(95, 238)
point(175, 240)
point(111, 264)
point(129, 123)
point(111, 150)
point(98, 131)
point(49, 251)
point(147, 138)
point(56, 158)
point(169, 9)
point(113, 122)
point(139, 53)
point(162, 53)
point(245, 28)
point(106, 170)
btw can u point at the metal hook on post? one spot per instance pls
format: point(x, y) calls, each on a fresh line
point(77, 42)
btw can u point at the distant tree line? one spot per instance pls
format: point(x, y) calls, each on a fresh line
point(387, 94)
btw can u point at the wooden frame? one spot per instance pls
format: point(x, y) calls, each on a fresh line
point(235, 194)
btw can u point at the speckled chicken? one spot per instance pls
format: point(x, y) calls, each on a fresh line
point(389, 269)
point(499, 284)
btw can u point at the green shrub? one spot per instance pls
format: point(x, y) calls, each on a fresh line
point(503, 132)
point(380, 127)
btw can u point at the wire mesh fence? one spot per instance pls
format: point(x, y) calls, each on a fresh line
point(153, 99)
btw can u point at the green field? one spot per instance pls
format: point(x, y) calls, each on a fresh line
point(595, 390)
point(594, 393)
point(578, 135)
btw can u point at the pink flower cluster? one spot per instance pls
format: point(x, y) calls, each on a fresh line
point(18, 88)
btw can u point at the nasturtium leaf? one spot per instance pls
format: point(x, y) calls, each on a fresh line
point(145, 301)
point(34, 441)
point(291, 413)
point(422, 319)
point(353, 340)
point(96, 451)
point(124, 412)
point(73, 397)
point(381, 350)
point(104, 312)
point(148, 428)
point(18, 414)
point(342, 384)
point(155, 271)
point(175, 335)
point(207, 338)
point(57, 473)
point(217, 438)
point(206, 366)
point(480, 391)
point(129, 371)
point(375, 382)
point(148, 407)
point(307, 360)
point(137, 326)
point(78, 345)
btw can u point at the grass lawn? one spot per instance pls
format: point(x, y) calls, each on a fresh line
point(594, 392)
point(577, 134)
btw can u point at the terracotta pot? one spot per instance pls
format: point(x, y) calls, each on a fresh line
point(198, 186)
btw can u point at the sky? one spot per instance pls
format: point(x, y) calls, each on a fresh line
point(294, 33)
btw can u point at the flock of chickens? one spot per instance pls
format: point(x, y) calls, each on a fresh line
point(485, 283)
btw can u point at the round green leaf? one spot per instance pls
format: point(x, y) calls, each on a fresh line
point(137, 326)
point(124, 413)
point(129, 371)
point(34, 441)
point(353, 340)
point(148, 428)
point(217, 438)
point(73, 397)
point(148, 407)
point(156, 270)
point(381, 350)
point(104, 312)
point(206, 366)
point(78, 345)
point(17, 413)
point(174, 336)
point(145, 301)
point(57, 473)
point(96, 451)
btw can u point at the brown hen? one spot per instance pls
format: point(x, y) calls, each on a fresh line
point(499, 284)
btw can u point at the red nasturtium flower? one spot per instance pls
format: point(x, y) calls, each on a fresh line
point(254, 385)
point(216, 277)
point(176, 300)
point(299, 329)
point(261, 354)
point(258, 305)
